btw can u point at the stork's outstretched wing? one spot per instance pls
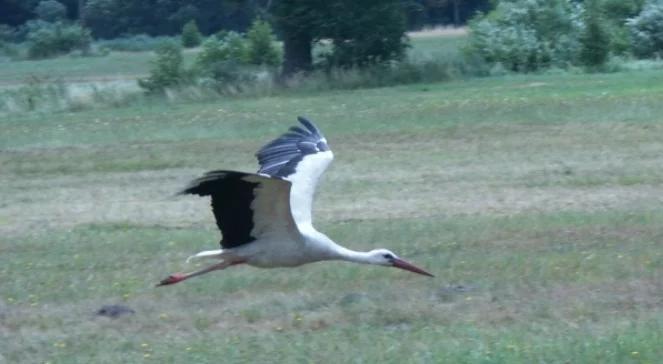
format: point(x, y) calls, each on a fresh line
point(247, 206)
point(300, 156)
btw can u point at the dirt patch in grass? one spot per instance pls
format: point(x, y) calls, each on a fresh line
point(148, 198)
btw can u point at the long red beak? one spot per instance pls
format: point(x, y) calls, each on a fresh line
point(400, 263)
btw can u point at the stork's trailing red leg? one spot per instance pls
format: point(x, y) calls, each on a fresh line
point(179, 277)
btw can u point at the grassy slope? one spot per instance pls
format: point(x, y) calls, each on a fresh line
point(535, 200)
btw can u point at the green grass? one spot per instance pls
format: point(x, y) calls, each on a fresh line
point(534, 288)
point(534, 199)
point(115, 66)
point(619, 97)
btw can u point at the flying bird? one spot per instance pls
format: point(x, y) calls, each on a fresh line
point(265, 217)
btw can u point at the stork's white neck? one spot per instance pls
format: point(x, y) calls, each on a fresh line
point(342, 253)
point(329, 250)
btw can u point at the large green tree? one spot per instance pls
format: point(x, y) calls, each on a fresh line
point(361, 32)
point(365, 32)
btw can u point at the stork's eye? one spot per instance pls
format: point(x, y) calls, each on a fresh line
point(388, 256)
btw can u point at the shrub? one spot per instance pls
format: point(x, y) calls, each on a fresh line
point(52, 39)
point(222, 62)
point(261, 48)
point(236, 46)
point(51, 11)
point(212, 50)
point(191, 36)
point(166, 71)
point(594, 40)
point(646, 30)
point(229, 46)
point(527, 35)
point(213, 53)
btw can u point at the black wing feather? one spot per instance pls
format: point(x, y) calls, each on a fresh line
point(231, 204)
point(279, 158)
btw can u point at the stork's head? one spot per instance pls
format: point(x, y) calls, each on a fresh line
point(389, 259)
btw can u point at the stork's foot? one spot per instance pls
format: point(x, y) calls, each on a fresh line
point(179, 277)
point(172, 279)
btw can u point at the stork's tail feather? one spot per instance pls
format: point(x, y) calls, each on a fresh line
point(218, 254)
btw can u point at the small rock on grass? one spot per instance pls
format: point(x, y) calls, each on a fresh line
point(115, 311)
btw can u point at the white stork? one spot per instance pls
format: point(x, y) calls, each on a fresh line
point(265, 218)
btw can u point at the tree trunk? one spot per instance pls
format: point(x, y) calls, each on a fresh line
point(456, 13)
point(297, 56)
point(81, 10)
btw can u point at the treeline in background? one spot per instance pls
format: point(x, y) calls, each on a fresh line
point(259, 46)
point(114, 18)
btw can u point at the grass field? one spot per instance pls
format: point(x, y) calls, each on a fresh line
point(536, 201)
point(113, 67)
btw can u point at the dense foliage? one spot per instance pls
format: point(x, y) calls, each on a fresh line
point(526, 35)
point(353, 45)
point(50, 10)
point(50, 39)
point(647, 30)
point(220, 56)
point(191, 36)
point(362, 32)
point(529, 35)
point(222, 62)
point(615, 14)
point(594, 39)
point(112, 18)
